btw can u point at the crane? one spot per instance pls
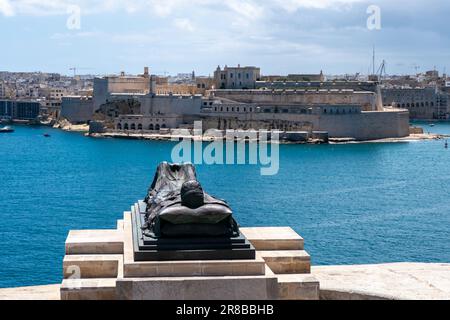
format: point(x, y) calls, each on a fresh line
point(74, 69)
point(381, 71)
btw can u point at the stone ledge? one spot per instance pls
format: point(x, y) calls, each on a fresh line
point(395, 281)
point(94, 242)
point(88, 289)
point(198, 288)
point(287, 261)
point(298, 287)
point(138, 269)
point(92, 266)
point(48, 292)
point(275, 238)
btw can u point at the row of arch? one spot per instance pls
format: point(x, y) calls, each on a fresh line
point(133, 126)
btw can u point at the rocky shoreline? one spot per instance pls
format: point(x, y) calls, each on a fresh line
point(168, 137)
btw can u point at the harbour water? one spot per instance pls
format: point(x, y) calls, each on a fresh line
point(353, 204)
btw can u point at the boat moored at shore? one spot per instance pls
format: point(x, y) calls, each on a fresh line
point(6, 129)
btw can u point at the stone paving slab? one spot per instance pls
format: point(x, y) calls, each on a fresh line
point(198, 288)
point(396, 281)
point(287, 261)
point(273, 238)
point(88, 289)
point(92, 266)
point(48, 292)
point(94, 242)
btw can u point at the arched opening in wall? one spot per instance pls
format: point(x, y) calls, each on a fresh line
point(139, 126)
point(325, 111)
point(119, 126)
point(407, 105)
point(125, 127)
point(133, 126)
point(163, 126)
point(157, 127)
point(151, 127)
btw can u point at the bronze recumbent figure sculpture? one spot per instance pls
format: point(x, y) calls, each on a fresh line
point(179, 221)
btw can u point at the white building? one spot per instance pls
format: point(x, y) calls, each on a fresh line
point(236, 77)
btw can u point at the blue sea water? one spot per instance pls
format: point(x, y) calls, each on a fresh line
point(353, 204)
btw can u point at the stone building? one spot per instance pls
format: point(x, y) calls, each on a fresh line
point(19, 110)
point(422, 103)
point(367, 100)
point(343, 114)
point(295, 78)
point(104, 87)
point(77, 109)
point(2, 90)
point(153, 112)
point(236, 77)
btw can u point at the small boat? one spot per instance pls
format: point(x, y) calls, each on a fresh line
point(6, 130)
point(47, 135)
point(432, 124)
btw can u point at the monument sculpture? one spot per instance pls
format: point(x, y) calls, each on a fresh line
point(179, 221)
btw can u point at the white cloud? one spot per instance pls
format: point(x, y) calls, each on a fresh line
point(184, 24)
point(248, 9)
point(6, 8)
point(294, 5)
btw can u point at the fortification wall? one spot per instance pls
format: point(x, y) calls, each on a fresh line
point(361, 126)
point(365, 99)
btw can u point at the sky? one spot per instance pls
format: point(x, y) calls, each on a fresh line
point(179, 36)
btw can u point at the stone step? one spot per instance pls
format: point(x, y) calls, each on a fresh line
point(198, 288)
point(120, 224)
point(287, 261)
point(194, 268)
point(140, 269)
point(94, 242)
point(88, 289)
point(91, 266)
point(278, 238)
point(298, 287)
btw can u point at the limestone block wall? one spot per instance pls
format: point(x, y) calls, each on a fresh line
point(365, 99)
point(361, 126)
point(367, 125)
point(77, 109)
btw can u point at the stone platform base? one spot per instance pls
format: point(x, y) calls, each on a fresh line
point(100, 264)
point(392, 281)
